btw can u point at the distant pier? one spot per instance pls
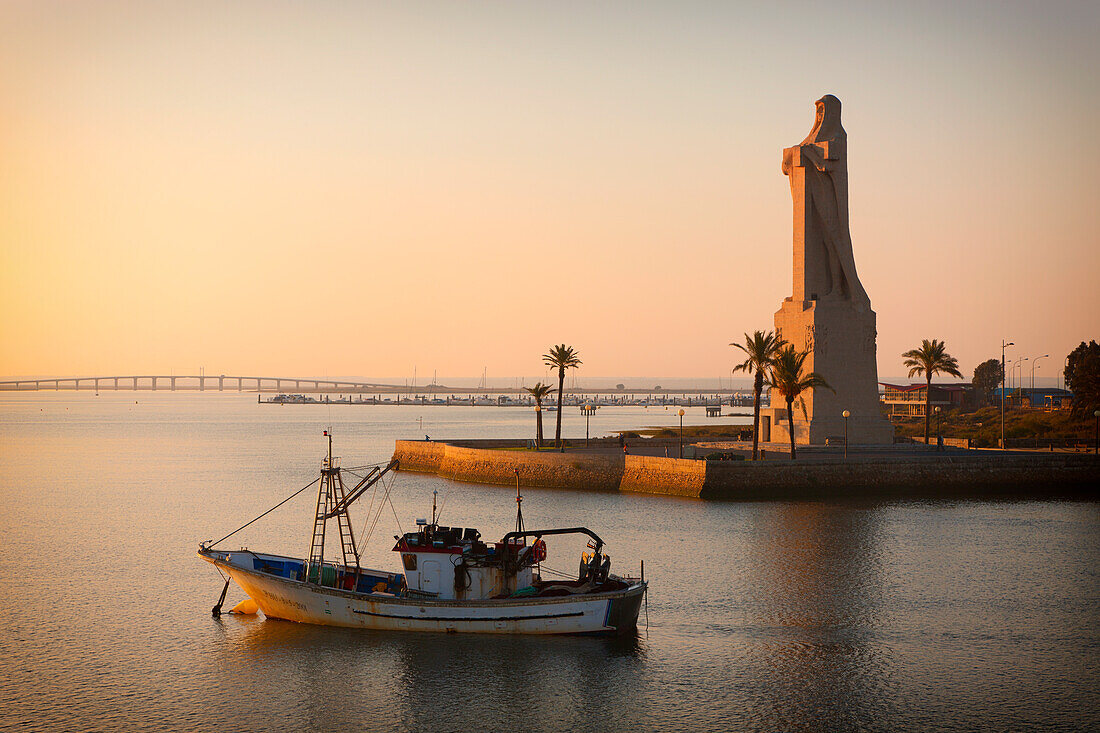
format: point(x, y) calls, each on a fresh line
point(399, 394)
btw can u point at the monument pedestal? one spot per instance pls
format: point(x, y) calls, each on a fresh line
point(839, 338)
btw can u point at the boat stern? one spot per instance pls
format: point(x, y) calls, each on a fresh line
point(623, 610)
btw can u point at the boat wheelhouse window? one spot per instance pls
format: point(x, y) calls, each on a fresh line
point(410, 561)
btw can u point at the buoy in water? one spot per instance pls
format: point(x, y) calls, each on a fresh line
point(247, 607)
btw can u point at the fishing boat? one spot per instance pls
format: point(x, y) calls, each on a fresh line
point(452, 581)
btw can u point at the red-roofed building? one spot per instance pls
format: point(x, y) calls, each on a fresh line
point(907, 400)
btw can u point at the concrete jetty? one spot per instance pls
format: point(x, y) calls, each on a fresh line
point(985, 474)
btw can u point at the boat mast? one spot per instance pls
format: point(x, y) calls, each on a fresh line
point(519, 504)
point(331, 502)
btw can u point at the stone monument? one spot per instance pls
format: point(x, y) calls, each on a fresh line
point(828, 314)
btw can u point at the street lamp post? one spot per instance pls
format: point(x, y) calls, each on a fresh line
point(1096, 445)
point(846, 416)
point(1018, 363)
point(587, 414)
point(1035, 364)
point(939, 429)
point(538, 424)
point(1004, 345)
point(681, 432)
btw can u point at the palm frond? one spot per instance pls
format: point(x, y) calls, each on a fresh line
point(760, 349)
point(539, 391)
point(562, 357)
point(931, 359)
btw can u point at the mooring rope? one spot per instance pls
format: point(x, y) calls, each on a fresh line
point(284, 501)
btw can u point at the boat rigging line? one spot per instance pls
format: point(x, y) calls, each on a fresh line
point(372, 477)
point(368, 533)
point(208, 543)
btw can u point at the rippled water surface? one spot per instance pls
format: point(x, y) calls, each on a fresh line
point(769, 616)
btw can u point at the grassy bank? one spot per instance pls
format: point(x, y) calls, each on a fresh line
point(694, 432)
point(1022, 427)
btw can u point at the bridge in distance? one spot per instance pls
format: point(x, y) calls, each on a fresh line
point(235, 383)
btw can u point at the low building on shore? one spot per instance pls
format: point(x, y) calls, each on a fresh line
point(908, 400)
point(1038, 398)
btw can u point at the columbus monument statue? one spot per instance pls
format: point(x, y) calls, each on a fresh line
point(828, 314)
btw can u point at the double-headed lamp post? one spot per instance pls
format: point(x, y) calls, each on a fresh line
point(681, 413)
point(1004, 345)
point(587, 414)
point(846, 415)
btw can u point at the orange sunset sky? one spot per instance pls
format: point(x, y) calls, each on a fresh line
point(337, 188)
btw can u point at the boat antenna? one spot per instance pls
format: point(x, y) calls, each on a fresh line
point(519, 504)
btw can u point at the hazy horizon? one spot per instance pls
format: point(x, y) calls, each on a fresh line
point(369, 188)
point(641, 383)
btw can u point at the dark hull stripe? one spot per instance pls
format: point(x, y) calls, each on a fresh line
point(492, 618)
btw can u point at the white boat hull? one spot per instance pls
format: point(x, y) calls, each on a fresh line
point(295, 600)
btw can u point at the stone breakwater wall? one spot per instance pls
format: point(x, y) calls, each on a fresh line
point(988, 475)
point(931, 477)
point(553, 470)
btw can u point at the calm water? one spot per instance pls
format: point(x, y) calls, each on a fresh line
point(785, 616)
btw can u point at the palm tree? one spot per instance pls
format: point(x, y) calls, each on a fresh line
point(539, 391)
point(787, 379)
point(929, 359)
point(761, 349)
point(561, 357)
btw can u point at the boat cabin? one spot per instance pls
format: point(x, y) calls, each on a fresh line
point(452, 563)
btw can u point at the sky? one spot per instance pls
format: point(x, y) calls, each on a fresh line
point(354, 188)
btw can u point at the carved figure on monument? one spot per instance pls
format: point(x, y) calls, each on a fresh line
point(818, 173)
point(829, 311)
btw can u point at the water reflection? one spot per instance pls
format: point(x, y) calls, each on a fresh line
point(770, 616)
point(331, 678)
point(817, 565)
point(816, 577)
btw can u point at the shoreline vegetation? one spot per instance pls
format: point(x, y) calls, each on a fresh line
point(1023, 428)
point(692, 432)
point(982, 427)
